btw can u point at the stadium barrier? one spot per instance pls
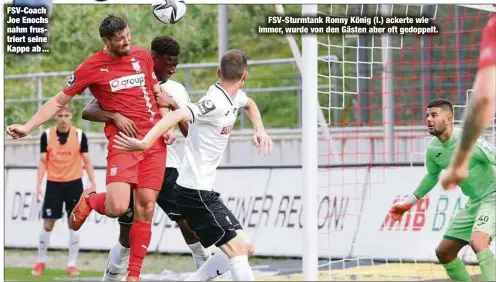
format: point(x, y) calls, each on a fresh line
point(353, 213)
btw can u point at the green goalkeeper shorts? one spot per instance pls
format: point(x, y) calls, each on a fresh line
point(475, 216)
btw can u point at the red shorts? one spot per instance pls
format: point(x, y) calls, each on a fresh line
point(141, 169)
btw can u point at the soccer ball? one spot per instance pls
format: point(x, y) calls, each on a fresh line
point(169, 11)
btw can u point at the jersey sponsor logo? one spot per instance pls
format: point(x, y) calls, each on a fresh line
point(70, 82)
point(105, 69)
point(226, 130)
point(205, 106)
point(438, 154)
point(64, 153)
point(128, 81)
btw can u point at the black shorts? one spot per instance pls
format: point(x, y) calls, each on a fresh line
point(165, 199)
point(205, 213)
point(59, 193)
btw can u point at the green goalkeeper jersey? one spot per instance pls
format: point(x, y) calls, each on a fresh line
point(481, 180)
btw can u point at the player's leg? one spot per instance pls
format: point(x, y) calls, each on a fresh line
point(119, 254)
point(72, 193)
point(51, 211)
point(199, 253)
point(456, 237)
point(150, 177)
point(219, 263)
point(483, 231)
point(167, 203)
point(447, 254)
point(213, 223)
point(122, 171)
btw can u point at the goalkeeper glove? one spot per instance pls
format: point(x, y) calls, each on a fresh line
point(398, 209)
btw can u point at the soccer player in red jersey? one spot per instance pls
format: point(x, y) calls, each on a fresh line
point(122, 80)
point(480, 111)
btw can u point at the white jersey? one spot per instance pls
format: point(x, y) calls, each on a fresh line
point(179, 94)
point(213, 118)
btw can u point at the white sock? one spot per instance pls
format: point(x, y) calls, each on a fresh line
point(240, 269)
point(217, 265)
point(117, 264)
point(43, 246)
point(119, 256)
point(73, 247)
point(200, 254)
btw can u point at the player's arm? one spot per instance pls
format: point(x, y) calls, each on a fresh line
point(481, 109)
point(88, 166)
point(41, 166)
point(484, 152)
point(260, 137)
point(94, 112)
point(46, 112)
point(166, 104)
point(123, 142)
point(479, 115)
point(427, 183)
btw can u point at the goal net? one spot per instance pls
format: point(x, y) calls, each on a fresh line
point(373, 91)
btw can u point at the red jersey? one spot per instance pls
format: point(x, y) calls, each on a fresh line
point(122, 85)
point(487, 55)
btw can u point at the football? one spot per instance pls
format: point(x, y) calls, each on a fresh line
point(168, 11)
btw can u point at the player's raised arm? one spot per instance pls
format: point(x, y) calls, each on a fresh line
point(93, 112)
point(480, 111)
point(260, 137)
point(46, 112)
point(123, 142)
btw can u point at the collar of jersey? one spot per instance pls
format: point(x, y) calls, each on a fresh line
point(451, 140)
point(224, 92)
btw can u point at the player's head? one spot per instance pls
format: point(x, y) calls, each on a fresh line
point(63, 118)
point(439, 116)
point(233, 67)
point(116, 35)
point(165, 54)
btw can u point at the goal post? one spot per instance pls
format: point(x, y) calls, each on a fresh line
point(310, 108)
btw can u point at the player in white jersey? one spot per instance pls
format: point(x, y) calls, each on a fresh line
point(165, 54)
point(212, 120)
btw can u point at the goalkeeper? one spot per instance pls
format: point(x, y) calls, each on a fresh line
point(475, 224)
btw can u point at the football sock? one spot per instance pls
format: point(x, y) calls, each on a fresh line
point(217, 265)
point(487, 265)
point(43, 246)
point(119, 255)
point(199, 253)
point(457, 271)
point(97, 202)
point(240, 269)
point(73, 248)
point(139, 239)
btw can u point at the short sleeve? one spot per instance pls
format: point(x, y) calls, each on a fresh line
point(43, 143)
point(487, 53)
point(84, 144)
point(79, 80)
point(204, 111)
point(241, 99)
point(151, 78)
point(182, 98)
point(177, 92)
point(484, 152)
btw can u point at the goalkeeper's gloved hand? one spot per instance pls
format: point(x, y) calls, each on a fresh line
point(398, 209)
